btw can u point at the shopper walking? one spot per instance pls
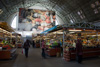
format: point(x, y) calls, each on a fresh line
point(43, 49)
point(26, 47)
point(33, 44)
point(79, 51)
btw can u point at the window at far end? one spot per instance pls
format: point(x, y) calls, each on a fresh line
point(13, 25)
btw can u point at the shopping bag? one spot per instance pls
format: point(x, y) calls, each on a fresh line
point(23, 52)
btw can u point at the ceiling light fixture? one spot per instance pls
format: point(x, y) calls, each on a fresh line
point(75, 30)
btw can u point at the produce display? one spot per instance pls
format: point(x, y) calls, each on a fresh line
point(6, 45)
point(52, 43)
point(90, 43)
point(87, 41)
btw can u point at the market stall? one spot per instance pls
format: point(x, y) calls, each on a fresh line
point(37, 40)
point(90, 36)
point(7, 49)
point(53, 42)
point(17, 40)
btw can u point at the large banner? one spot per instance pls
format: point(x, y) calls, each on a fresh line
point(35, 20)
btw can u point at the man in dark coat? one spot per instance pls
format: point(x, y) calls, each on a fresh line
point(79, 51)
point(26, 47)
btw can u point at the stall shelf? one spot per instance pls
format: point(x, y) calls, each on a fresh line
point(8, 54)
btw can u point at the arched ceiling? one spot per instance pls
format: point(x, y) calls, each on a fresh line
point(70, 11)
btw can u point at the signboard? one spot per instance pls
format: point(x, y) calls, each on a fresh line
point(35, 20)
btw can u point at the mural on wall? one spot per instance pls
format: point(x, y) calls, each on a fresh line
point(35, 20)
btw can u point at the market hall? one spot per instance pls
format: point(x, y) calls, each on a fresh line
point(45, 33)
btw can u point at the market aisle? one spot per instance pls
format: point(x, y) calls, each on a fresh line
point(35, 60)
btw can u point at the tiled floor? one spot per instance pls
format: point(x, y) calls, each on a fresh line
point(35, 60)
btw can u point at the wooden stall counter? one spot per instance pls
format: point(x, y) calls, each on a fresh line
point(7, 54)
point(87, 52)
point(19, 45)
point(53, 51)
point(37, 45)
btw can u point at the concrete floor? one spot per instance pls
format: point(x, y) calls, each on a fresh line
point(35, 60)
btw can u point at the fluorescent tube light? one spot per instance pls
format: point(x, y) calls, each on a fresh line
point(75, 30)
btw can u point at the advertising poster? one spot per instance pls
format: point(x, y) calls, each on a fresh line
point(35, 20)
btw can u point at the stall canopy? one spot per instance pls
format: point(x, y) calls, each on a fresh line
point(76, 26)
point(55, 28)
point(46, 31)
point(6, 26)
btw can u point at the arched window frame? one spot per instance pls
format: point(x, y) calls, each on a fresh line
point(14, 22)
